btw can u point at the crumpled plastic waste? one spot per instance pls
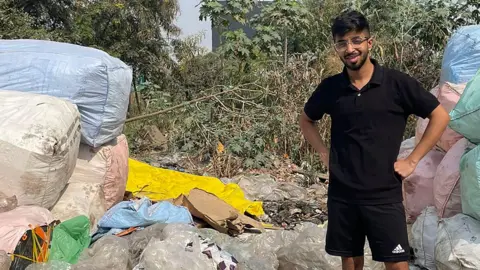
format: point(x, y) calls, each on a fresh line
point(179, 242)
point(265, 188)
point(139, 240)
point(307, 251)
point(5, 261)
point(253, 251)
point(110, 252)
point(140, 213)
point(7, 203)
point(70, 239)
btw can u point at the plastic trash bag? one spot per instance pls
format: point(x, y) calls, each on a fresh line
point(69, 239)
point(110, 252)
point(96, 82)
point(461, 58)
point(307, 252)
point(464, 118)
point(458, 243)
point(139, 240)
point(470, 182)
point(5, 261)
point(7, 203)
point(265, 188)
point(424, 235)
point(179, 249)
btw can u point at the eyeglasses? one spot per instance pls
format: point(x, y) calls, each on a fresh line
point(356, 42)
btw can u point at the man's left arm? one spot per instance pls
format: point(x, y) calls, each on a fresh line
point(422, 103)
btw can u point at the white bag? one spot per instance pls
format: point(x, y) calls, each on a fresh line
point(107, 166)
point(424, 232)
point(81, 199)
point(39, 141)
point(458, 243)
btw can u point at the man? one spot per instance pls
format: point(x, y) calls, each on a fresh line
point(369, 106)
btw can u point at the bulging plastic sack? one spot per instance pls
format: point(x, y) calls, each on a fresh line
point(96, 82)
point(464, 118)
point(5, 261)
point(461, 58)
point(106, 165)
point(39, 141)
point(7, 203)
point(110, 252)
point(81, 199)
point(139, 240)
point(458, 243)
point(424, 235)
point(418, 187)
point(448, 95)
point(470, 183)
point(180, 249)
point(307, 252)
point(446, 185)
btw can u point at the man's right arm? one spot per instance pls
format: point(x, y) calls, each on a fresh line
point(315, 108)
point(311, 134)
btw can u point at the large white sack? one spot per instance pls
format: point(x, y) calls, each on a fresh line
point(470, 182)
point(79, 199)
point(424, 233)
point(96, 82)
point(458, 243)
point(39, 141)
point(107, 166)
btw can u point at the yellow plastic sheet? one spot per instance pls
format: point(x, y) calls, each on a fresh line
point(161, 184)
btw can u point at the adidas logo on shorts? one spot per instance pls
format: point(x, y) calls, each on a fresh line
point(398, 249)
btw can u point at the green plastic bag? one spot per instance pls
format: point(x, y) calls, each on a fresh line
point(464, 118)
point(470, 182)
point(70, 239)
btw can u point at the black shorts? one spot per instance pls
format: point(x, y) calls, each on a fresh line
point(384, 226)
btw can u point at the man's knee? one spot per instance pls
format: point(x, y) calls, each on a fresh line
point(352, 263)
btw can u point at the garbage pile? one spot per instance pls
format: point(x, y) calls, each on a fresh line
point(441, 196)
point(72, 198)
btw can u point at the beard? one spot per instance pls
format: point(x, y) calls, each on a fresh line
point(357, 64)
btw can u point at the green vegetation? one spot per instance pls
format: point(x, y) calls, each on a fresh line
point(272, 73)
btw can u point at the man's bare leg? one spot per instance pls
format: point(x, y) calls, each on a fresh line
point(353, 263)
point(396, 266)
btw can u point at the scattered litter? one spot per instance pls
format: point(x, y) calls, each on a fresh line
point(217, 213)
point(140, 213)
point(160, 184)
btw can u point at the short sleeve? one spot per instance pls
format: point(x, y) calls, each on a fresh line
point(317, 104)
point(417, 100)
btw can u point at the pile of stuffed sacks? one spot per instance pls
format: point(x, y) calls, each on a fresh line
point(442, 196)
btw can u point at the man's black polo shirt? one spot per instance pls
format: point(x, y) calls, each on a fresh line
point(367, 130)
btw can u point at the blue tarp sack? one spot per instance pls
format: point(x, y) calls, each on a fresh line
point(461, 58)
point(465, 117)
point(96, 82)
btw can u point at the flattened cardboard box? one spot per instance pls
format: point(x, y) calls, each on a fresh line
point(217, 213)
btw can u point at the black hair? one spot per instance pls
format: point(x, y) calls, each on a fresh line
point(350, 20)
